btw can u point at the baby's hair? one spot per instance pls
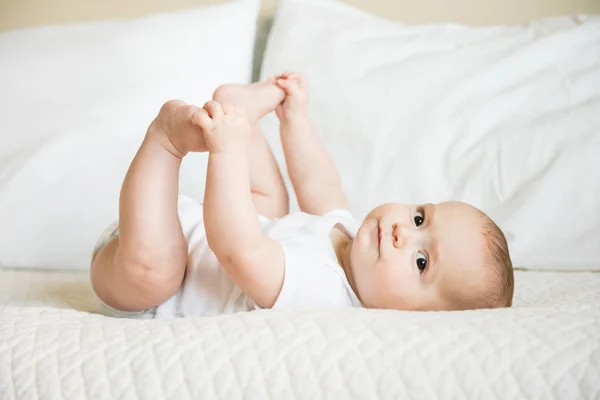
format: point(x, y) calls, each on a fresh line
point(498, 259)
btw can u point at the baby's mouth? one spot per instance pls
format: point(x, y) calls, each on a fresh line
point(379, 236)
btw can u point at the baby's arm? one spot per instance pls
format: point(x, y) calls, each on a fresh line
point(311, 169)
point(254, 261)
point(145, 264)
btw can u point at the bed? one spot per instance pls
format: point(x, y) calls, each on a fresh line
point(514, 131)
point(53, 345)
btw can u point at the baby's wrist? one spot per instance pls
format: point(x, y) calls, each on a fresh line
point(237, 151)
point(294, 117)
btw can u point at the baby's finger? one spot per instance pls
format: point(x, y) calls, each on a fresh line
point(280, 82)
point(283, 83)
point(288, 86)
point(202, 119)
point(296, 77)
point(214, 109)
point(301, 79)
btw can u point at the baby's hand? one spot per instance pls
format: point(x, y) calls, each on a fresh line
point(225, 128)
point(295, 103)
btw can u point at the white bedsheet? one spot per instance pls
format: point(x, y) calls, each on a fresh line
point(52, 346)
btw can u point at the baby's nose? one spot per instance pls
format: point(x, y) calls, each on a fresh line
point(398, 233)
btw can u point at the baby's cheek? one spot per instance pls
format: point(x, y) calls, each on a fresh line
point(387, 285)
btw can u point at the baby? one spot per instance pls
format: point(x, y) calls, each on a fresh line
point(241, 250)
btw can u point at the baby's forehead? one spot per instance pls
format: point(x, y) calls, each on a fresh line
point(455, 221)
point(460, 240)
point(454, 208)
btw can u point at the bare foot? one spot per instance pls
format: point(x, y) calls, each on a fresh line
point(176, 128)
point(256, 99)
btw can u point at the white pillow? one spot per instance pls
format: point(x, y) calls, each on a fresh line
point(75, 102)
point(505, 118)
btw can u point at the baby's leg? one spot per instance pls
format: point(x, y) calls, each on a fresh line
point(144, 266)
point(258, 99)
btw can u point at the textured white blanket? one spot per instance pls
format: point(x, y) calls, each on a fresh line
point(52, 346)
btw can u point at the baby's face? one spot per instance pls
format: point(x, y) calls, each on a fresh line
point(409, 257)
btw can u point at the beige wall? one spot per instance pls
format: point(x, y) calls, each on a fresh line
point(25, 13)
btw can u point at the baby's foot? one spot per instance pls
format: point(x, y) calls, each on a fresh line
point(176, 128)
point(256, 99)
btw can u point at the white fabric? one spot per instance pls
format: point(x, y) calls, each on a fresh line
point(505, 118)
point(547, 346)
point(75, 102)
point(313, 277)
point(206, 289)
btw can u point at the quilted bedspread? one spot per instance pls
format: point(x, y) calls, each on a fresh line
point(53, 346)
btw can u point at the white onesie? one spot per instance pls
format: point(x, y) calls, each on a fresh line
point(313, 277)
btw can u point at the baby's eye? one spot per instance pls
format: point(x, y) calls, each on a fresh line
point(421, 261)
point(419, 217)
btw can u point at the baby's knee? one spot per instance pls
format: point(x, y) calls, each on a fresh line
point(124, 283)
